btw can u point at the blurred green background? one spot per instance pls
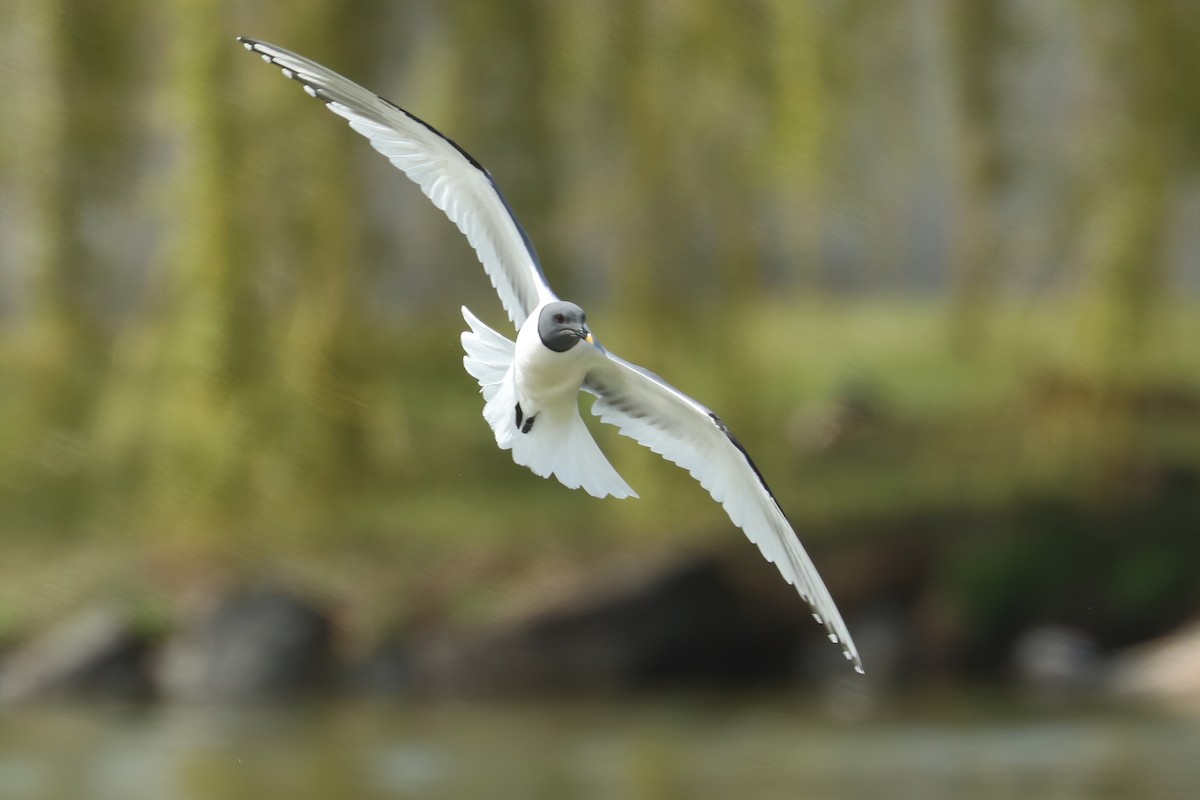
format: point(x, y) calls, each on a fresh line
point(931, 260)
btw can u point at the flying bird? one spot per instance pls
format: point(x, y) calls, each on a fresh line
point(531, 386)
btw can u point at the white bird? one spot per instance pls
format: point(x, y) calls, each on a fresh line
point(531, 386)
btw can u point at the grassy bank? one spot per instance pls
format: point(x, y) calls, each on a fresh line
point(383, 489)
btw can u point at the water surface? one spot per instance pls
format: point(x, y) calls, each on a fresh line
point(702, 748)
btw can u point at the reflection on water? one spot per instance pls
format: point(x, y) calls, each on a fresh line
point(767, 748)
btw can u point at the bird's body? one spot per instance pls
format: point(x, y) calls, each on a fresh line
point(531, 387)
point(546, 379)
point(532, 395)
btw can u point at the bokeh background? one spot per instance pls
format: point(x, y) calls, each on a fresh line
point(937, 263)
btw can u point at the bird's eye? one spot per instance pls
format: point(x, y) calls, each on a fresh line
point(560, 319)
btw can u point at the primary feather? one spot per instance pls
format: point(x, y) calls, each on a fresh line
point(455, 182)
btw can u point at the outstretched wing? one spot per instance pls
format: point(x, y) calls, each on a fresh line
point(447, 174)
point(647, 409)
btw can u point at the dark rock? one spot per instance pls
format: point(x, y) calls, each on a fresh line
point(386, 670)
point(705, 621)
point(96, 654)
point(718, 620)
point(263, 644)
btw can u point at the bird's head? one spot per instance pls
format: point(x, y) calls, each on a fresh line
point(562, 325)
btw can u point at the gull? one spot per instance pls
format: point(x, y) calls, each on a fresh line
point(531, 386)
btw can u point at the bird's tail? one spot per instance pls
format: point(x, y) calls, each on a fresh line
point(557, 444)
point(489, 355)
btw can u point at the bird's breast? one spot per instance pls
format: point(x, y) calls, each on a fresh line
point(544, 378)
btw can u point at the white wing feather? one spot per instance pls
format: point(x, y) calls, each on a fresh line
point(452, 179)
point(655, 414)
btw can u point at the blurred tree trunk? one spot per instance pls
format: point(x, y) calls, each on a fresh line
point(1123, 237)
point(651, 259)
point(523, 120)
point(326, 351)
point(1126, 232)
point(978, 38)
point(73, 157)
point(61, 316)
point(205, 351)
point(799, 133)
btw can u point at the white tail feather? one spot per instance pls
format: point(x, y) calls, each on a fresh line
point(562, 446)
point(489, 354)
point(557, 444)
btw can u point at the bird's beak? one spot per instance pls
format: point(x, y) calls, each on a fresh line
point(588, 338)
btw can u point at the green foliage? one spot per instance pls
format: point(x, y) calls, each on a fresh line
point(230, 331)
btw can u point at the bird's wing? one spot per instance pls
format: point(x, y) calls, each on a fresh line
point(447, 174)
point(647, 409)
